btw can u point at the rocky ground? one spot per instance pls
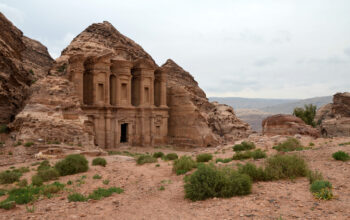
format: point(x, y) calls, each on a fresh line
point(143, 199)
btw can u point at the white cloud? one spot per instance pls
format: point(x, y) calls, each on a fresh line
point(15, 15)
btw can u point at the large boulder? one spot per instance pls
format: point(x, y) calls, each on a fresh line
point(22, 62)
point(334, 118)
point(287, 125)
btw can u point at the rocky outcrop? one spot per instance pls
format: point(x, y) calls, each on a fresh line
point(53, 114)
point(193, 120)
point(287, 125)
point(334, 118)
point(22, 61)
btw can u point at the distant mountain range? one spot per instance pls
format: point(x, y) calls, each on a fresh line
point(254, 110)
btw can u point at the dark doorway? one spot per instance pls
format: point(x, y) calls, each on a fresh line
point(124, 133)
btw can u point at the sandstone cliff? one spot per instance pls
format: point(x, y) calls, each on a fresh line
point(22, 61)
point(193, 120)
point(287, 125)
point(334, 118)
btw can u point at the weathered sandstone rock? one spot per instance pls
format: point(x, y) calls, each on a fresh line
point(22, 61)
point(287, 125)
point(193, 120)
point(334, 118)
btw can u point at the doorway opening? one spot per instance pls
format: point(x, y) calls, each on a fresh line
point(124, 133)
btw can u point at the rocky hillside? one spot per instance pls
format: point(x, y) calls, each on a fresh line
point(334, 118)
point(193, 120)
point(22, 61)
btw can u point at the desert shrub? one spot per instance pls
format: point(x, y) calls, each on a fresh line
point(37, 180)
point(208, 181)
point(322, 189)
point(311, 144)
point(314, 175)
point(226, 160)
point(171, 156)
point(69, 182)
point(242, 155)
point(307, 114)
point(158, 154)
point(48, 174)
point(44, 165)
point(18, 143)
point(161, 188)
point(204, 157)
point(106, 182)
point(4, 129)
point(22, 183)
point(285, 166)
point(145, 159)
point(72, 164)
point(23, 195)
point(99, 161)
point(97, 177)
point(76, 197)
point(7, 177)
point(255, 173)
point(101, 193)
point(183, 165)
point(344, 144)
point(28, 144)
point(291, 144)
point(258, 154)
point(7, 205)
point(341, 155)
point(244, 146)
point(52, 188)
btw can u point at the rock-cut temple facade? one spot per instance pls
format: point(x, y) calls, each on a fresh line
point(124, 100)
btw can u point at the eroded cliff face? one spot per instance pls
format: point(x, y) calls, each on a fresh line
point(22, 62)
point(193, 120)
point(334, 118)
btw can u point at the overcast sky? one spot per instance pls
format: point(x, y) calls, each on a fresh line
point(245, 48)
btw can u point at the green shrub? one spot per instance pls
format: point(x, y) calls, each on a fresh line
point(97, 177)
point(4, 129)
point(291, 144)
point(7, 177)
point(28, 144)
point(53, 188)
point(106, 182)
point(307, 114)
point(171, 156)
point(18, 143)
point(44, 165)
point(341, 155)
point(145, 159)
point(69, 182)
point(161, 188)
point(204, 157)
point(319, 184)
point(311, 144)
point(158, 154)
point(76, 197)
point(324, 194)
point(208, 181)
point(48, 174)
point(226, 160)
point(37, 180)
point(258, 154)
point(314, 175)
point(22, 170)
point(7, 205)
point(256, 174)
point(101, 193)
point(244, 146)
point(72, 164)
point(183, 165)
point(344, 144)
point(285, 166)
point(99, 161)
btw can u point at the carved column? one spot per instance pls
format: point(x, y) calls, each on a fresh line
point(161, 78)
point(122, 70)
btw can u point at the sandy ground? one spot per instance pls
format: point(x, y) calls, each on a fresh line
point(142, 198)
